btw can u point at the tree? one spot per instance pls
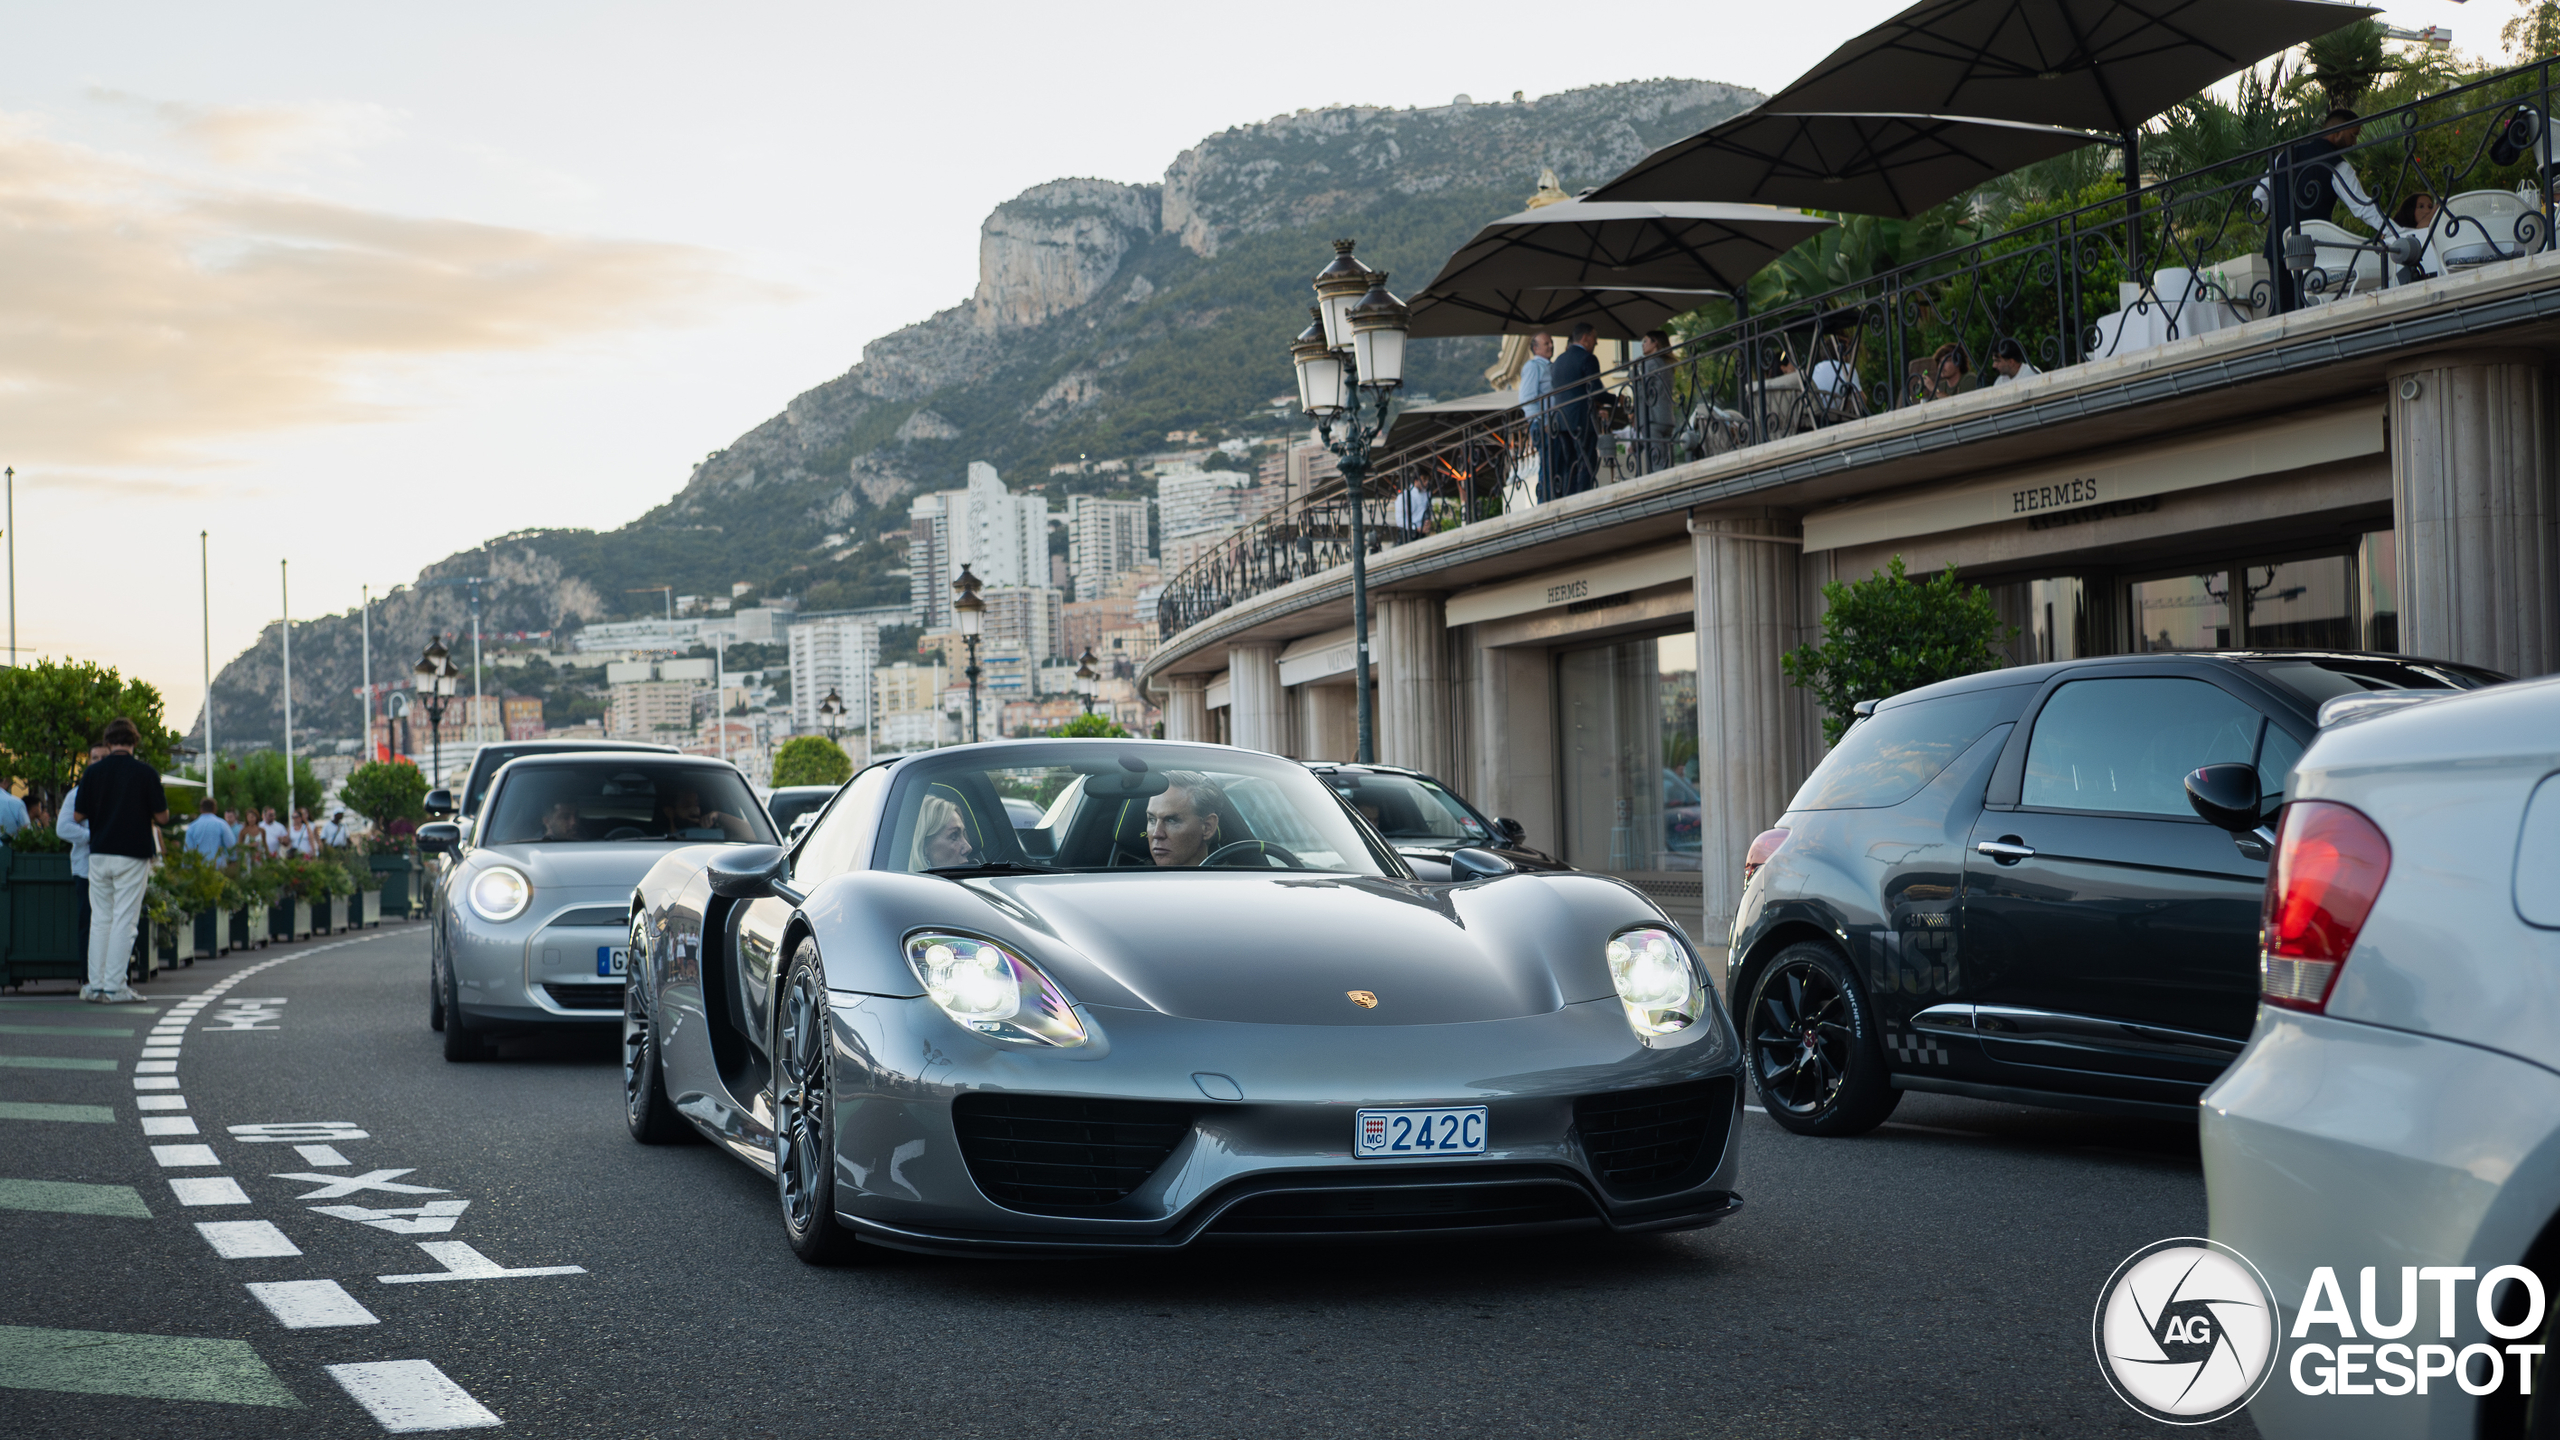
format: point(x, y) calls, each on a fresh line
point(2534, 34)
point(383, 792)
point(2344, 63)
point(811, 760)
point(51, 712)
point(1885, 634)
point(1091, 727)
point(257, 780)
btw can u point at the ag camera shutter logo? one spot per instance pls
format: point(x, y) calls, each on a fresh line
point(2185, 1331)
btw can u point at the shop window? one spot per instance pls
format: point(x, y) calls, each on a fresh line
point(2301, 604)
point(2378, 591)
point(1630, 718)
point(2051, 617)
point(2181, 612)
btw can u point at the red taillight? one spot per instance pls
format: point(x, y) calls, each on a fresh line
point(1763, 845)
point(2329, 867)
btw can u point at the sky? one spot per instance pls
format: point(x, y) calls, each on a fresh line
point(355, 287)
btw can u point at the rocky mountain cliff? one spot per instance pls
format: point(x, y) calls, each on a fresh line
point(1105, 316)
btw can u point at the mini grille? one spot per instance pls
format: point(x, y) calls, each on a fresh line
point(609, 916)
point(585, 997)
point(1392, 1209)
point(1647, 1140)
point(1050, 1152)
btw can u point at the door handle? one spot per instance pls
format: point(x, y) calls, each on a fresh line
point(2006, 850)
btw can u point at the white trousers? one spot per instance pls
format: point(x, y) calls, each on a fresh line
point(116, 883)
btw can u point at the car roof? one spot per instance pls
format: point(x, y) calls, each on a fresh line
point(2239, 659)
point(658, 758)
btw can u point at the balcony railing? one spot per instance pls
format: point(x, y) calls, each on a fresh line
point(2463, 175)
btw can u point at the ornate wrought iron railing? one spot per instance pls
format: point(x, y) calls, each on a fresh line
point(2460, 178)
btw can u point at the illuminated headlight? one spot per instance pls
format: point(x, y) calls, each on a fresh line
point(1656, 983)
point(992, 991)
point(499, 893)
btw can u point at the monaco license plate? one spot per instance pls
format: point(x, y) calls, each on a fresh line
point(612, 959)
point(1405, 1134)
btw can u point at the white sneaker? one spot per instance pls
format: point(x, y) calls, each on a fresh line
point(120, 997)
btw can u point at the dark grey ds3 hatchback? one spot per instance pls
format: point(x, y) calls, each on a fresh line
point(1996, 886)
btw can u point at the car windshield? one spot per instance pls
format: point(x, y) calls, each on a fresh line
point(1409, 807)
point(602, 800)
point(1077, 807)
point(2322, 677)
point(789, 805)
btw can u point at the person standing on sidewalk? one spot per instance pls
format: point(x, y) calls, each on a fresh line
point(73, 831)
point(122, 804)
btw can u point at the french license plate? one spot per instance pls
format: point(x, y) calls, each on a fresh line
point(1404, 1134)
point(612, 959)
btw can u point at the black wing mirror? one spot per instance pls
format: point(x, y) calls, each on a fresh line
point(439, 837)
point(1514, 833)
point(1469, 863)
point(2227, 796)
point(752, 872)
point(439, 802)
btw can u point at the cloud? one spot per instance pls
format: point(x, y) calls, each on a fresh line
point(144, 317)
point(260, 135)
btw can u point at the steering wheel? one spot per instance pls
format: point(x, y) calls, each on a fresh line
point(1262, 846)
point(626, 832)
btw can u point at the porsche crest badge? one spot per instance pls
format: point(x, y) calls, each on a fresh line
point(1365, 999)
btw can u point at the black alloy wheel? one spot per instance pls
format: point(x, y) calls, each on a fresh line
point(1815, 1056)
point(461, 1043)
point(645, 1107)
point(804, 1118)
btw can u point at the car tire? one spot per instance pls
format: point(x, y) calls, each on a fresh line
point(645, 1106)
point(435, 995)
point(1816, 1058)
point(461, 1042)
point(804, 1132)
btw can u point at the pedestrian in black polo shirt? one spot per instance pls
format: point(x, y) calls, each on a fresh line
point(121, 802)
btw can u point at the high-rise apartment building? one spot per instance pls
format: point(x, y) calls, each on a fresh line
point(1002, 537)
point(1105, 538)
point(838, 654)
point(1190, 500)
point(1023, 618)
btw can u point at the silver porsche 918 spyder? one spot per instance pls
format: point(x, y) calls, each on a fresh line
point(1110, 995)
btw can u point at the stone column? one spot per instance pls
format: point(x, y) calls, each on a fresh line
point(2472, 502)
point(1257, 706)
point(1751, 747)
point(1413, 683)
point(1186, 707)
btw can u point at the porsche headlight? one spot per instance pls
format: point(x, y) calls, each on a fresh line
point(992, 991)
point(1656, 983)
point(499, 893)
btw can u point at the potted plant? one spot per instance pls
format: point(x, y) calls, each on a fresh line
point(254, 883)
point(392, 795)
point(327, 886)
point(198, 893)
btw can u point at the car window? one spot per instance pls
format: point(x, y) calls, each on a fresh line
point(603, 800)
point(1407, 807)
point(2127, 744)
point(1887, 757)
point(789, 805)
point(842, 835)
point(2277, 755)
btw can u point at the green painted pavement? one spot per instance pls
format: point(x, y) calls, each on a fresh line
point(30, 1110)
point(163, 1367)
point(52, 1062)
point(68, 1197)
point(63, 1030)
point(75, 1004)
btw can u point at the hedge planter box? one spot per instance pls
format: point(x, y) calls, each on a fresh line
point(392, 872)
point(365, 909)
point(40, 919)
point(329, 916)
point(238, 933)
point(289, 920)
point(204, 937)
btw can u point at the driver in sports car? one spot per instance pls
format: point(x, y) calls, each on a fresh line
point(1183, 823)
point(684, 813)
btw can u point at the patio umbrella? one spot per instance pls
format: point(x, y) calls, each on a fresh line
point(1624, 266)
point(1616, 314)
point(1868, 164)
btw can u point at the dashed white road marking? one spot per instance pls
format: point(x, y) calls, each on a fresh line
point(171, 1156)
point(155, 1067)
point(209, 1190)
point(159, 1102)
point(246, 1239)
point(311, 1304)
point(461, 1262)
point(412, 1396)
point(159, 1052)
point(155, 1082)
point(168, 1125)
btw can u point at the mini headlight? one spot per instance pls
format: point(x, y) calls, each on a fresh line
point(992, 991)
point(1656, 981)
point(499, 893)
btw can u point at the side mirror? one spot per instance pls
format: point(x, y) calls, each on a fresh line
point(439, 837)
point(439, 802)
point(1514, 833)
point(751, 872)
point(2226, 796)
point(1469, 863)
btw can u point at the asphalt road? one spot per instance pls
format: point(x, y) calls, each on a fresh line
point(1934, 1279)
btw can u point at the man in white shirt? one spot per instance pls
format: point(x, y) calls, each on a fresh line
point(2009, 361)
point(1537, 377)
point(2306, 181)
point(333, 832)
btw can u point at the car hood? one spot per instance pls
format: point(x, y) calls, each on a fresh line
point(1275, 949)
point(618, 864)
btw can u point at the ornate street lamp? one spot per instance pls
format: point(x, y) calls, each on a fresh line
point(1088, 679)
point(1355, 346)
point(972, 613)
point(831, 711)
point(437, 679)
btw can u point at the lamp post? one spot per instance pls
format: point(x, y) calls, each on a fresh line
point(972, 614)
point(1088, 679)
point(437, 681)
point(1356, 344)
point(831, 710)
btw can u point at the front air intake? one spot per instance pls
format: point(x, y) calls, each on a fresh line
point(1654, 1141)
point(1053, 1153)
point(586, 997)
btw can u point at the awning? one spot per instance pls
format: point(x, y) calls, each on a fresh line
point(1625, 266)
